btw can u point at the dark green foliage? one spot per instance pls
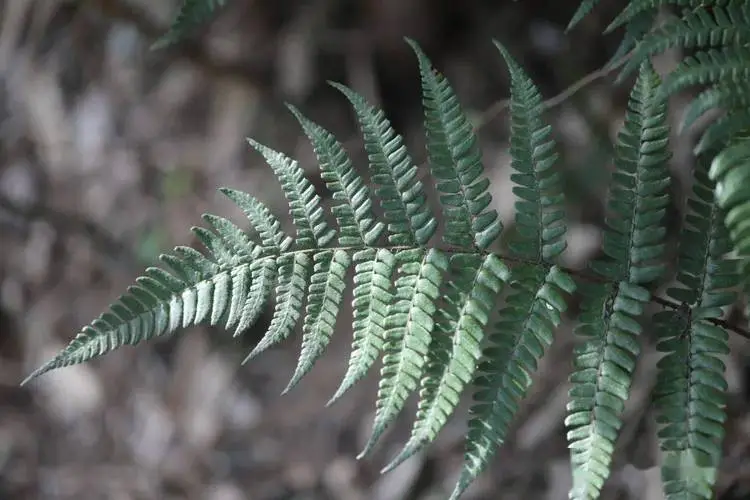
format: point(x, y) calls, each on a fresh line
point(452, 317)
point(634, 243)
point(690, 386)
point(192, 13)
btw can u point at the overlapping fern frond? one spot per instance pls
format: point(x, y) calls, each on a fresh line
point(719, 32)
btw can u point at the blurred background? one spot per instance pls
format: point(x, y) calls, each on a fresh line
point(110, 152)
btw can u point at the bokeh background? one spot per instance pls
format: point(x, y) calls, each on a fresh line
point(109, 153)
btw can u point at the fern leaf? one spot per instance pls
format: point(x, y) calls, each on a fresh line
point(540, 218)
point(290, 293)
point(690, 385)
point(323, 304)
point(262, 279)
point(516, 343)
point(304, 203)
point(240, 245)
point(728, 64)
point(372, 294)
point(584, 8)
point(731, 172)
point(634, 243)
point(601, 381)
point(637, 7)
point(272, 237)
point(192, 13)
point(635, 29)
point(456, 163)
point(703, 27)
point(638, 197)
point(727, 96)
point(395, 176)
point(409, 325)
point(721, 132)
point(353, 211)
point(159, 304)
point(451, 371)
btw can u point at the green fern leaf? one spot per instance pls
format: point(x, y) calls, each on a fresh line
point(516, 343)
point(394, 176)
point(534, 307)
point(290, 293)
point(540, 218)
point(584, 8)
point(272, 238)
point(727, 96)
point(690, 385)
point(456, 163)
point(635, 29)
point(453, 368)
point(159, 304)
point(409, 326)
point(323, 304)
point(192, 13)
point(603, 367)
point(304, 203)
point(731, 172)
point(353, 211)
point(637, 7)
point(720, 134)
point(703, 27)
point(634, 243)
point(728, 64)
point(634, 239)
point(372, 295)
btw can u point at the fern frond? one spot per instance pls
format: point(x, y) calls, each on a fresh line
point(372, 295)
point(634, 244)
point(197, 288)
point(731, 172)
point(192, 13)
point(516, 343)
point(583, 10)
point(477, 287)
point(304, 203)
point(534, 307)
point(703, 27)
point(290, 293)
point(353, 210)
point(323, 304)
point(721, 132)
point(394, 175)
point(690, 385)
point(540, 217)
point(637, 7)
point(728, 96)
point(456, 164)
point(409, 325)
point(638, 197)
point(635, 29)
point(728, 64)
point(603, 370)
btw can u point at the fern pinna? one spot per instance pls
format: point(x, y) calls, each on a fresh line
point(455, 316)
